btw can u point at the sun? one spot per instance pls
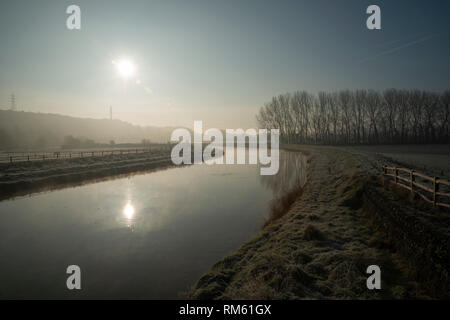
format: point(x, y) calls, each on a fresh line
point(125, 68)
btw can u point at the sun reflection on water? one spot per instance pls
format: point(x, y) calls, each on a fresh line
point(128, 211)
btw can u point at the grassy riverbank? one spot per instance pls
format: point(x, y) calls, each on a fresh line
point(342, 222)
point(22, 178)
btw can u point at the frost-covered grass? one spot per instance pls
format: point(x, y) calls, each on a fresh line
point(25, 177)
point(321, 247)
point(432, 159)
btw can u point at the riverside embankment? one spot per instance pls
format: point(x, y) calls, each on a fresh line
point(343, 221)
point(21, 178)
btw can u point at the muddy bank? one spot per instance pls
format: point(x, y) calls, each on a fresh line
point(22, 178)
point(321, 248)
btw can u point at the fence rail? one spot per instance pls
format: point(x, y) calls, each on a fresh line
point(410, 182)
point(36, 156)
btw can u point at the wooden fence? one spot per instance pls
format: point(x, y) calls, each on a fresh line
point(430, 189)
point(36, 156)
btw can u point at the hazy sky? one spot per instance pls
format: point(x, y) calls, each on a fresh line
point(216, 61)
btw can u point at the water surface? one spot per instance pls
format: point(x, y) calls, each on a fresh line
point(146, 236)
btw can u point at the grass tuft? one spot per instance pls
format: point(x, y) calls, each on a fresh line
point(278, 207)
point(312, 233)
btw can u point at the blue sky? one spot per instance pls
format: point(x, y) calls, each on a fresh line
point(216, 61)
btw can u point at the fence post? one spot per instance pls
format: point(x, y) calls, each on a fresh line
point(411, 176)
point(435, 189)
point(28, 157)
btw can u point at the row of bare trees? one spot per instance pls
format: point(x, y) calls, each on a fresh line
point(359, 117)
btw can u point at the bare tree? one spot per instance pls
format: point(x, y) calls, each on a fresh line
point(359, 117)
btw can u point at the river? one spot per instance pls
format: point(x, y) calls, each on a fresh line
point(148, 236)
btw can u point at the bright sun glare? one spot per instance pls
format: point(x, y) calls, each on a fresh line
point(124, 67)
point(128, 211)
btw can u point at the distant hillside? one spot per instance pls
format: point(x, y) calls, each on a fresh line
point(19, 129)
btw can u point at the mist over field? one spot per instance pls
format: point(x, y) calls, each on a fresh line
point(40, 130)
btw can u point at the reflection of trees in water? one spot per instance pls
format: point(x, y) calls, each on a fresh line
point(292, 173)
